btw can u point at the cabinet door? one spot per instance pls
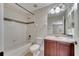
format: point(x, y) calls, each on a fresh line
point(53, 48)
point(46, 48)
point(50, 48)
point(64, 49)
point(72, 49)
point(56, 48)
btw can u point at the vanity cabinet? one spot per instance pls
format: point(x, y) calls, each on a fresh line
point(57, 48)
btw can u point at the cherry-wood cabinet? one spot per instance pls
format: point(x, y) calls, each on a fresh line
point(57, 48)
point(48, 48)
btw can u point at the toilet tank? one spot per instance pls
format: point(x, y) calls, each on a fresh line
point(39, 40)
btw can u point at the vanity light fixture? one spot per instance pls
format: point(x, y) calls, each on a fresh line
point(52, 11)
point(62, 7)
point(57, 9)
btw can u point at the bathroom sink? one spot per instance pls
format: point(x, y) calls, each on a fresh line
point(63, 39)
point(66, 39)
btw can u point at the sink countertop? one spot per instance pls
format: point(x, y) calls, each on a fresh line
point(62, 39)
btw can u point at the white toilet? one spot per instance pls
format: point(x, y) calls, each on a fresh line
point(35, 48)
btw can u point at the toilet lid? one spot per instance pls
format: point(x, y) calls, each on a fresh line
point(35, 47)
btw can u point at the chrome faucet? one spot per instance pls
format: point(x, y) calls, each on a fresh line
point(29, 37)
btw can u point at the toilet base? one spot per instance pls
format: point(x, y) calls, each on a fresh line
point(36, 53)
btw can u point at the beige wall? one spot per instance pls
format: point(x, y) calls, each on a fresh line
point(69, 19)
point(38, 29)
point(40, 26)
point(76, 35)
point(1, 28)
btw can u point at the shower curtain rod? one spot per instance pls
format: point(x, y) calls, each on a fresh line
point(7, 19)
point(24, 8)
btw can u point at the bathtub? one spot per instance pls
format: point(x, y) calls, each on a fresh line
point(21, 51)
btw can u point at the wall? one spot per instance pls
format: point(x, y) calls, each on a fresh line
point(39, 29)
point(11, 12)
point(41, 22)
point(40, 19)
point(51, 21)
point(1, 28)
point(76, 32)
point(69, 19)
point(77, 50)
point(15, 34)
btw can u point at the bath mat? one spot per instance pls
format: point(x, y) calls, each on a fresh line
point(29, 54)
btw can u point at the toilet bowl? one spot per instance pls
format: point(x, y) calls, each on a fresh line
point(35, 48)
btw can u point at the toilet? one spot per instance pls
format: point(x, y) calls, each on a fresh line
point(35, 48)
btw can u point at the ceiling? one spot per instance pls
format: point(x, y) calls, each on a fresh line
point(29, 6)
point(34, 6)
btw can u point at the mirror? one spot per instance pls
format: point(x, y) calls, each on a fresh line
point(55, 21)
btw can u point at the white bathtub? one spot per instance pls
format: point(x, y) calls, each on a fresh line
point(21, 51)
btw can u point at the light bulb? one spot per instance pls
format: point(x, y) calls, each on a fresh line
point(57, 10)
point(62, 7)
point(52, 11)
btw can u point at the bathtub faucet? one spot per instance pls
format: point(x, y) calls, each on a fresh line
point(29, 37)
